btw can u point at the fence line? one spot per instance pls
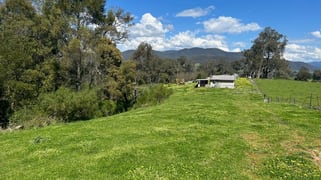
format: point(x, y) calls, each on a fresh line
point(311, 102)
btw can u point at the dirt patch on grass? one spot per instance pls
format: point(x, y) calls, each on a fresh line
point(259, 147)
point(297, 144)
point(316, 156)
point(257, 142)
point(294, 144)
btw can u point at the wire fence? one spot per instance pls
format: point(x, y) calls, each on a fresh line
point(311, 101)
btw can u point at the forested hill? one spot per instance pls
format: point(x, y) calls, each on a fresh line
point(199, 55)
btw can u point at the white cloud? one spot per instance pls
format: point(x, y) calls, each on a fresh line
point(195, 12)
point(148, 26)
point(302, 41)
point(149, 29)
point(236, 50)
point(152, 31)
point(239, 44)
point(169, 27)
point(295, 52)
point(316, 34)
point(231, 25)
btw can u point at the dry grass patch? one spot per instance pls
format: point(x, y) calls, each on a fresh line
point(295, 144)
point(316, 156)
point(259, 147)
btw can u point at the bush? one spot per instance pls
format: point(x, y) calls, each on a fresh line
point(63, 105)
point(107, 108)
point(153, 95)
point(68, 105)
point(303, 74)
point(31, 116)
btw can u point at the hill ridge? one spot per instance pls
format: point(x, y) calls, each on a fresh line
point(201, 55)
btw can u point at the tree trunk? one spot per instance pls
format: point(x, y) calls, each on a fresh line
point(259, 72)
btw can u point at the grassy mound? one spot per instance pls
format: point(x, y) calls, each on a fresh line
point(195, 134)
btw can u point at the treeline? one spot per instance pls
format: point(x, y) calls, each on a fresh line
point(304, 74)
point(59, 62)
point(154, 69)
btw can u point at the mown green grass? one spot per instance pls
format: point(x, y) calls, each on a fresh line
point(195, 134)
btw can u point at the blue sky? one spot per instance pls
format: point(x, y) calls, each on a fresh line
point(230, 25)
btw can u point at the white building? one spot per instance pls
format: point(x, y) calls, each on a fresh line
point(219, 81)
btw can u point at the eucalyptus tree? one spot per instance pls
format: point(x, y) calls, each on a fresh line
point(303, 74)
point(20, 51)
point(265, 58)
point(89, 24)
point(143, 57)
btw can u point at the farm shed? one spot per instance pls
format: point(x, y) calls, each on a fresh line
point(219, 81)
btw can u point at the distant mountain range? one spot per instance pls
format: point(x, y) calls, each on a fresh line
point(199, 55)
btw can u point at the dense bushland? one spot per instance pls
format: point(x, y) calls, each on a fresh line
point(50, 53)
point(63, 105)
point(67, 105)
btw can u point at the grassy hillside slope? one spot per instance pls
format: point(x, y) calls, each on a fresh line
point(196, 134)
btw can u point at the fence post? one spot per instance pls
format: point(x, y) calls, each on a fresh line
point(294, 100)
point(311, 101)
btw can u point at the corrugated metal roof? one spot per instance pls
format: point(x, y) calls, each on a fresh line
point(223, 77)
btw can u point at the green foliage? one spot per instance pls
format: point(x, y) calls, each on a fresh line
point(63, 105)
point(303, 74)
point(153, 95)
point(47, 45)
point(153, 69)
point(67, 105)
point(217, 67)
point(20, 93)
point(316, 75)
point(4, 113)
point(31, 117)
point(107, 108)
point(264, 59)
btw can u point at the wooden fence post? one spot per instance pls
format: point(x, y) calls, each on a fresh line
point(294, 100)
point(311, 101)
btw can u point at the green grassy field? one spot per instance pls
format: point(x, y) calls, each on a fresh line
point(195, 134)
point(286, 89)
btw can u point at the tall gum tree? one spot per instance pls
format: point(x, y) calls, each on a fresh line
point(265, 58)
point(89, 24)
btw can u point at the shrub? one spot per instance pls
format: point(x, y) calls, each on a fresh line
point(107, 108)
point(153, 95)
point(63, 105)
point(68, 105)
point(30, 116)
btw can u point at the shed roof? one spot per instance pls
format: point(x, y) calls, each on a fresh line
point(223, 77)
